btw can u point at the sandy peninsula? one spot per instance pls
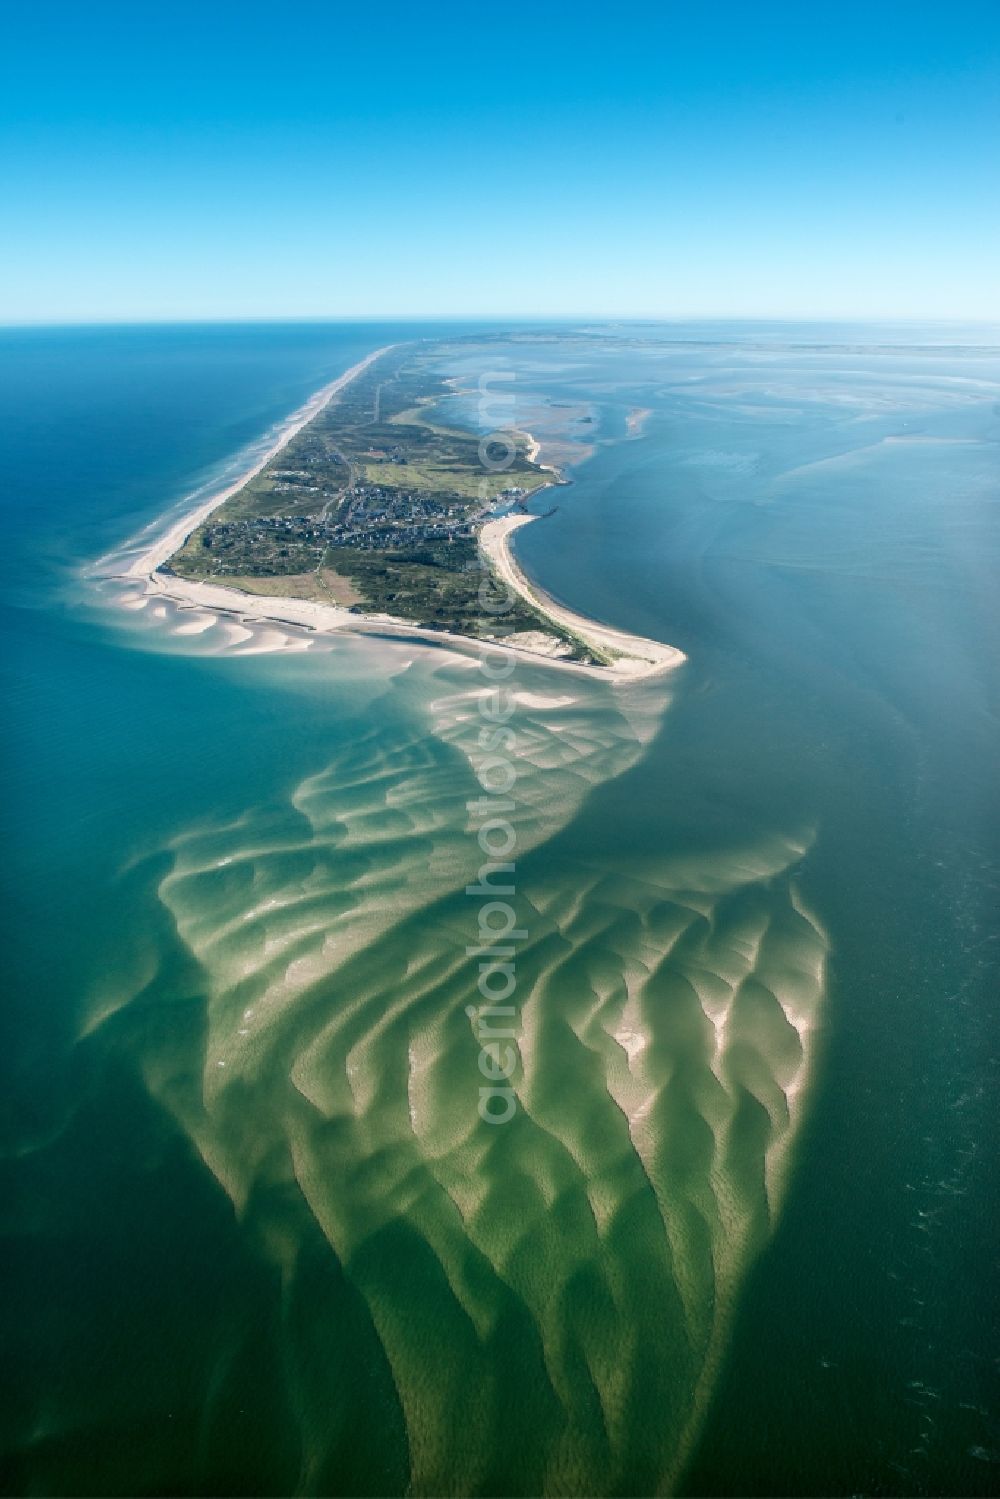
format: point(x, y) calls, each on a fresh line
point(625, 656)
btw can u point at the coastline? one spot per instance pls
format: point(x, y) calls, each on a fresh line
point(625, 656)
point(164, 547)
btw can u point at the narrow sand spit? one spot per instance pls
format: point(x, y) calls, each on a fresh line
point(628, 655)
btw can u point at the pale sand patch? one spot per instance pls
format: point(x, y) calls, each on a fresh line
point(532, 447)
point(269, 641)
point(196, 625)
point(236, 634)
point(540, 643)
point(539, 700)
point(631, 1042)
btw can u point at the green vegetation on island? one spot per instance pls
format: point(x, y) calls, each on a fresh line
point(374, 505)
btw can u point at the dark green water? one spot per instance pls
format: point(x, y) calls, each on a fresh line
point(255, 1241)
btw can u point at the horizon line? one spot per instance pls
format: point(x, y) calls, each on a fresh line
point(226, 320)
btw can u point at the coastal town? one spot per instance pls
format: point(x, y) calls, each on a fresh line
point(368, 517)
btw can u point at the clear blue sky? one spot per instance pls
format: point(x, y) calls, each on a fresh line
point(756, 159)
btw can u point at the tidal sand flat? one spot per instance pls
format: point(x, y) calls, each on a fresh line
point(569, 1273)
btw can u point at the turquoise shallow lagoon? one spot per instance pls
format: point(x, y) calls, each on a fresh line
point(739, 1236)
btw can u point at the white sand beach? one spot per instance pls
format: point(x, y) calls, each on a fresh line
point(628, 655)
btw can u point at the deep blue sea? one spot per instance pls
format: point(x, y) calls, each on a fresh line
point(741, 1239)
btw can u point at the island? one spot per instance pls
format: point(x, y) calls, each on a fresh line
point(371, 510)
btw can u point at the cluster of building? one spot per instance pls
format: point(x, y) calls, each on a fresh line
point(368, 518)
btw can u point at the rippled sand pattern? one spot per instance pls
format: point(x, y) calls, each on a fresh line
point(531, 1308)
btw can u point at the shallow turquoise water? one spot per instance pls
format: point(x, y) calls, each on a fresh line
point(812, 517)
